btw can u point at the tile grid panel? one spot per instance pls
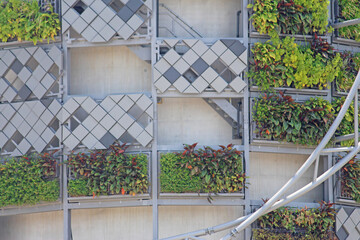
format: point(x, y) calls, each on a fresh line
point(32, 72)
point(200, 67)
point(38, 125)
point(348, 223)
point(101, 20)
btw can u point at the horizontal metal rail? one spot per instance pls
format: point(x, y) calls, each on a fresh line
point(346, 23)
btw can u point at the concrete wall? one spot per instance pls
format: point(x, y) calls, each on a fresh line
point(212, 18)
point(112, 224)
point(100, 71)
point(190, 120)
point(36, 226)
point(181, 219)
point(269, 172)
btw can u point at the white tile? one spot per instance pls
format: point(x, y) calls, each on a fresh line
point(219, 84)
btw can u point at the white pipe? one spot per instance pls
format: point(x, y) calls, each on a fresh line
point(356, 117)
point(307, 164)
point(316, 168)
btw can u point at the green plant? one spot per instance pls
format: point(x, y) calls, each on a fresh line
point(24, 20)
point(350, 180)
point(348, 72)
point(349, 9)
point(287, 64)
point(110, 171)
point(206, 170)
point(286, 223)
point(347, 124)
point(174, 179)
point(281, 118)
point(78, 188)
point(28, 180)
point(289, 16)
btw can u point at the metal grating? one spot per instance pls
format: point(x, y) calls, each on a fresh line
point(101, 20)
point(32, 72)
point(201, 67)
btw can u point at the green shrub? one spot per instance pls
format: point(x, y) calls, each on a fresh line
point(174, 179)
point(23, 20)
point(110, 171)
point(301, 224)
point(290, 16)
point(289, 65)
point(203, 170)
point(350, 9)
point(281, 118)
point(28, 180)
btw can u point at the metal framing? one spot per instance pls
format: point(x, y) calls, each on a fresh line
point(155, 199)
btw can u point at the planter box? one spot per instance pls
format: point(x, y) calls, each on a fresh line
point(104, 198)
point(288, 90)
point(337, 38)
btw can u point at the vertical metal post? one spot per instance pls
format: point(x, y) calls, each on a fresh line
point(330, 181)
point(316, 168)
point(356, 118)
point(154, 159)
point(66, 210)
point(246, 111)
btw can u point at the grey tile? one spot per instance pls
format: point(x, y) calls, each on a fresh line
point(107, 14)
point(89, 141)
point(107, 140)
point(98, 6)
point(70, 16)
point(98, 24)
point(237, 48)
point(162, 84)
point(341, 234)
point(89, 33)
point(24, 74)
point(17, 66)
point(88, 15)
point(199, 66)
point(116, 23)
point(125, 31)
point(126, 103)
point(79, 25)
point(134, 5)
point(24, 93)
point(80, 132)
point(125, 13)
point(172, 75)
point(227, 42)
point(117, 131)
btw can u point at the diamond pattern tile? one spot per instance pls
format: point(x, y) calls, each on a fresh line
point(29, 68)
point(107, 121)
point(202, 67)
point(31, 123)
point(101, 20)
point(347, 220)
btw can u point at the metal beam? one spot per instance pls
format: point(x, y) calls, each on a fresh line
point(32, 209)
point(346, 23)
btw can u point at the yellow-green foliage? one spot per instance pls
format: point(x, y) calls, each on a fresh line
point(23, 21)
point(350, 9)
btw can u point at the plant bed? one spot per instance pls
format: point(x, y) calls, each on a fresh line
point(288, 65)
point(108, 172)
point(300, 224)
point(348, 190)
point(29, 180)
point(347, 10)
point(347, 74)
point(25, 21)
point(198, 171)
point(280, 118)
point(293, 17)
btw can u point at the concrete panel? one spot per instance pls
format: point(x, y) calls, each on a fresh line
point(269, 172)
point(212, 18)
point(112, 223)
point(190, 120)
point(181, 219)
point(32, 226)
point(100, 71)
